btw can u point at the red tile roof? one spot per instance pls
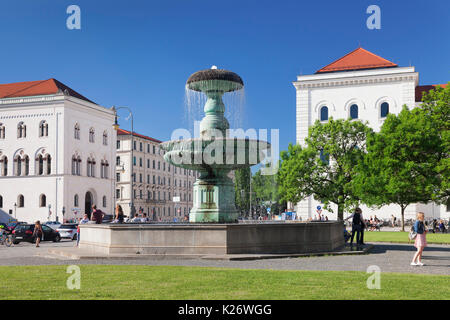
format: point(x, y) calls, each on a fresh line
point(125, 132)
point(421, 89)
point(37, 88)
point(357, 60)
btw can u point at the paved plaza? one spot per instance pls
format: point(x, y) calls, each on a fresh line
point(387, 256)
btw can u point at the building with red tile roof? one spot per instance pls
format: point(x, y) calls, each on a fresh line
point(359, 85)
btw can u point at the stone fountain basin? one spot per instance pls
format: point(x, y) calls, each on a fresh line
point(220, 153)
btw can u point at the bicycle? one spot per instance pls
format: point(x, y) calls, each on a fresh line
point(6, 240)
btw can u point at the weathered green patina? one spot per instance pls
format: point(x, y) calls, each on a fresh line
point(214, 154)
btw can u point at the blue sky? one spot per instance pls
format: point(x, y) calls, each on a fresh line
point(140, 53)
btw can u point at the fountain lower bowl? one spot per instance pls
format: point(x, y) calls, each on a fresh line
point(215, 154)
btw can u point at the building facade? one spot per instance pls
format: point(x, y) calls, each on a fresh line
point(360, 86)
point(161, 190)
point(57, 150)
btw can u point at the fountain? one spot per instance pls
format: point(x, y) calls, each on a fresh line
point(214, 154)
point(213, 230)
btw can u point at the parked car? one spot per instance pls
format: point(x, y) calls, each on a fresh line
point(68, 230)
point(24, 232)
point(53, 224)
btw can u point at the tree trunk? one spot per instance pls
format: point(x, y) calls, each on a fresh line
point(340, 212)
point(403, 216)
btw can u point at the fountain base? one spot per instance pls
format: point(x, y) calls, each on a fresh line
point(214, 201)
point(197, 240)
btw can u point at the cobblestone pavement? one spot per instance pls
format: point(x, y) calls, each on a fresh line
point(389, 257)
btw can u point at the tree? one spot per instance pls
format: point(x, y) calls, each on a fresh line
point(436, 104)
point(325, 167)
point(266, 194)
point(242, 189)
point(399, 167)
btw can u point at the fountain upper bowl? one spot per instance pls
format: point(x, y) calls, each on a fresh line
point(214, 80)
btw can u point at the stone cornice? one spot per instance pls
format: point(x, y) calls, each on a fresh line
point(356, 80)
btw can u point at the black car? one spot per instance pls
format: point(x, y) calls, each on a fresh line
point(24, 232)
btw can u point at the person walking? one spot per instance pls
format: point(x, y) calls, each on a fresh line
point(37, 233)
point(421, 239)
point(83, 221)
point(97, 215)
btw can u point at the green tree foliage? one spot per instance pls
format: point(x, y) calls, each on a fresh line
point(325, 167)
point(242, 189)
point(399, 167)
point(436, 104)
point(265, 188)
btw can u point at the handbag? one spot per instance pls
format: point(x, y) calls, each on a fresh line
point(412, 234)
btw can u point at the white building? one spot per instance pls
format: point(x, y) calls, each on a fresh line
point(56, 151)
point(156, 183)
point(360, 85)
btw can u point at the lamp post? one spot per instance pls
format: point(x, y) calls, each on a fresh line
point(15, 206)
point(116, 127)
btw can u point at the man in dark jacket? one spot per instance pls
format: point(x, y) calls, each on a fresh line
point(357, 227)
point(97, 215)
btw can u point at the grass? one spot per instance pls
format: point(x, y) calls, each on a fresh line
point(180, 283)
point(402, 237)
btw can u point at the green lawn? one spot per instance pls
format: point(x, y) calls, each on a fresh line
point(402, 237)
point(166, 282)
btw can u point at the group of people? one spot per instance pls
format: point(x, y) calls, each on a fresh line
point(438, 226)
point(373, 223)
point(419, 228)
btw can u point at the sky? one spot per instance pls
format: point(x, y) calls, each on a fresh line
point(140, 53)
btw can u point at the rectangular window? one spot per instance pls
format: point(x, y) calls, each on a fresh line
point(140, 146)
point(118, 177)
point(134, 161)
point(117, 193)
point(118, 145)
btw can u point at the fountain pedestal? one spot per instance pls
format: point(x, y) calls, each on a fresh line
point(214, 201)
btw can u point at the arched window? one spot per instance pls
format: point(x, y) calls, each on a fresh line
point(91, 135)
point(74, 165)
point(4, 166)
point(20, 201)
point(2, 131)
point(104, 169)
point(49, 165)
point(79, 166)
point(105, 138)
point(75, 201)
point(90, 167)
point(76, 132)
point(21, 130)
point(354, 111)
point(18, 162)
point(26, 160)
point(40, 165)
point(43, 129)
point(384, 110)
point(42, 200)
point(104, 201)
point(324, 113)
point(1, 202)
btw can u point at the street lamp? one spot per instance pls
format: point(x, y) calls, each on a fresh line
point(15, 206)
point(116, 127)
